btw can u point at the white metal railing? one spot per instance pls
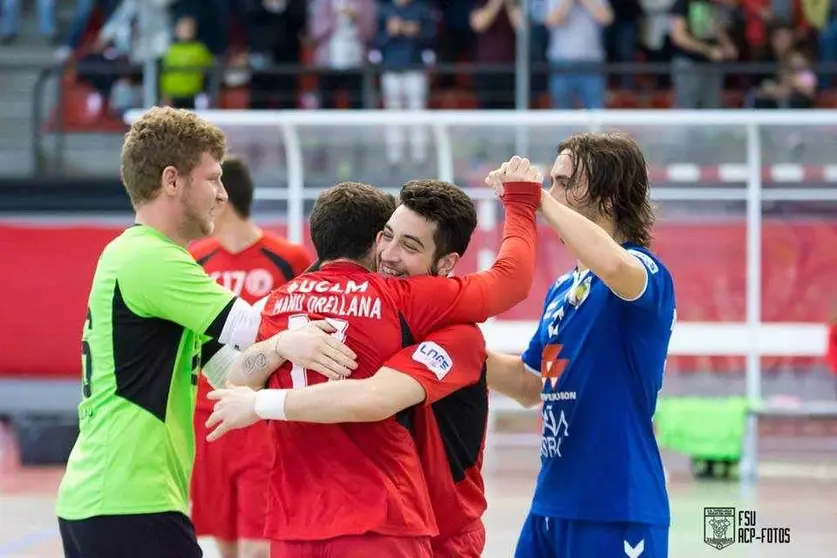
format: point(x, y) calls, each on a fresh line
point(751, 334)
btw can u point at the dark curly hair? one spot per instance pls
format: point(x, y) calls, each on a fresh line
point(346, 219)
point(446, 205)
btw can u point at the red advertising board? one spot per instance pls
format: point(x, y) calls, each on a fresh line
point(48, 270)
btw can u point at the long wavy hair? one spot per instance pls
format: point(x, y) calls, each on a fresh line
point(617, 179)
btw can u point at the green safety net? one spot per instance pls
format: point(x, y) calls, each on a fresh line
point(702, 428)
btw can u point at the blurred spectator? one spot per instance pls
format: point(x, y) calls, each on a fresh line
point(781, 41)
point(340, 31)
point(734, 22)
point(827, 38)
point(182, 74)
point(795, 86)
point(622, 36)
point(121, 31)
point(405, 31)
point(700, 40)
point(784, 10)
point(494, 22)
point(655, 34)
point(568, 40)
point(455, 41)
point(223, 15)
point(758, 15)
point(119, 50)
point(576, 36)
point(102, 69)
point(274, 34)
point(817, 13)
point(10, 19)
point(213, 20)
point(81, 19)
point(538, 44)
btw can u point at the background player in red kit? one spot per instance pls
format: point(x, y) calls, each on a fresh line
point(372, 468)
point(442, 377)
point(229, 480)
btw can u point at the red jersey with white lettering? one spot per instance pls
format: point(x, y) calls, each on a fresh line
point(331, 480)
point(449, 427)
point(251, 274)
point(229, 477)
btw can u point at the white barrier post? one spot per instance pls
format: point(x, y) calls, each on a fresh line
point(296, 184)
point(749, 454)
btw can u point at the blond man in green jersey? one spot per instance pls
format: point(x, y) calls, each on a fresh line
point(154, 319)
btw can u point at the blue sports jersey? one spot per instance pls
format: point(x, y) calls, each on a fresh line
point(602, 360)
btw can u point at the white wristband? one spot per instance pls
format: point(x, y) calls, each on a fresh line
point(270, 404)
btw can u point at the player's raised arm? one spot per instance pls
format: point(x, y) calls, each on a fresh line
point(431, 302)
point(448, 360)
point(591, 245)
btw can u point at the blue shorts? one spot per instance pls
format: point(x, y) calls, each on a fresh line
point(548, 537)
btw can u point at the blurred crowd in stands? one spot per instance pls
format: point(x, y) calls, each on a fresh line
point(448, 53)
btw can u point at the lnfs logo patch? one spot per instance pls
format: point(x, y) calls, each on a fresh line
point(434, 358)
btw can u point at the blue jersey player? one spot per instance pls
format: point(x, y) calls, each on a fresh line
point(596, 362)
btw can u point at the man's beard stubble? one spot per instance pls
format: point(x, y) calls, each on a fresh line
point(193, 226)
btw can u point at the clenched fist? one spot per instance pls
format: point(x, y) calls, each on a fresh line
point(516, 169)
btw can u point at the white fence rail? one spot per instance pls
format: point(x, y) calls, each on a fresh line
point(711, 339)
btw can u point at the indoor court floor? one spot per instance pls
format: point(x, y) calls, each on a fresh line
point(801, 499)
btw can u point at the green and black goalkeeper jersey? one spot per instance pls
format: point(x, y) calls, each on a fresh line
point(149, 308)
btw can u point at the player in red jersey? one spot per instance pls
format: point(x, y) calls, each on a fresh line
point(442, 377)
point(229, 478)
point(377, 470)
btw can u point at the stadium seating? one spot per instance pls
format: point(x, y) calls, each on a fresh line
point(646, 95)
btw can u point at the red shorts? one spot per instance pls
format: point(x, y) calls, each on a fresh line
point(468, 544)
point(368, 545)
point(230, 481)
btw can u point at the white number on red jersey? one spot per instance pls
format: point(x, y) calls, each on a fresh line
point(257, 282)
point(299, 375)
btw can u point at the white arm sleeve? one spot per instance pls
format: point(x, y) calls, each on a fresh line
point(217, 368)
point(242, 326)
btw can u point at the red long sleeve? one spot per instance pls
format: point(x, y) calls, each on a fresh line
point(510, 278)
